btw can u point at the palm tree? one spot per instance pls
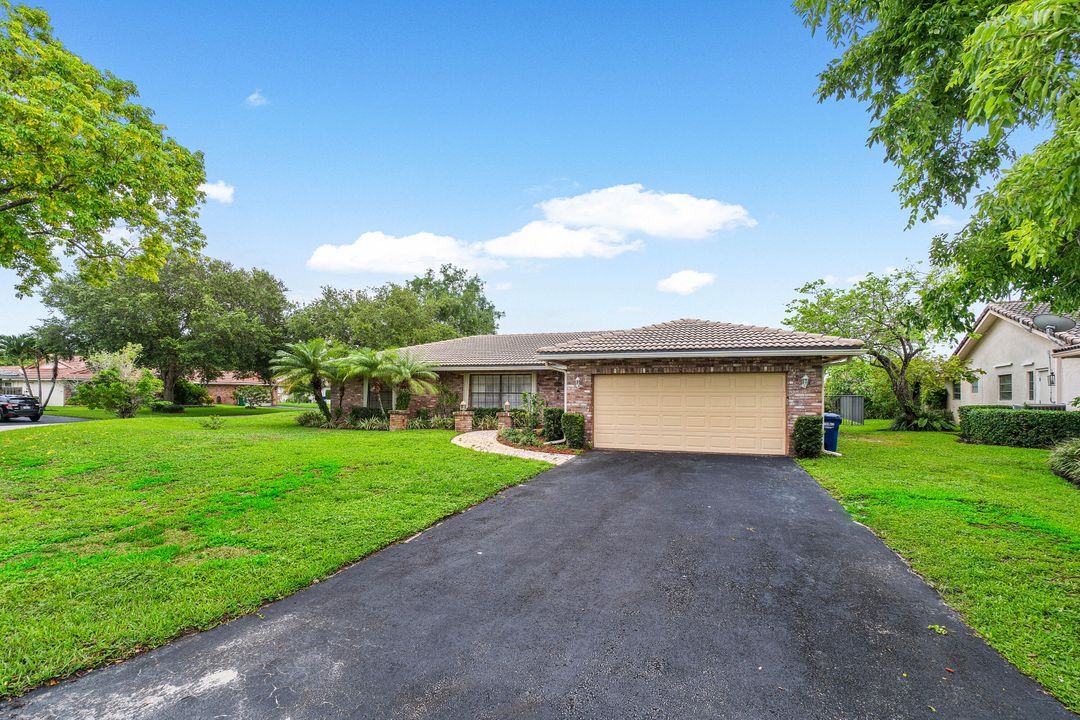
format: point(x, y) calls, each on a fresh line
point(364, 363)
point(311, 362)
point(24, 350)
point(410, 376)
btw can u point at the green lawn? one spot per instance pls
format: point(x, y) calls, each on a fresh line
point(224, 410)
point(116, 536)
point(990, 528)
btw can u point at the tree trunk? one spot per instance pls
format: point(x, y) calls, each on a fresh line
point(168, 377)
point(52, 388)
point(317, 389)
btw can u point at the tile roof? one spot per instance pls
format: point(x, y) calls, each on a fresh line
point(1024, 312)
point(231, 378)
point(73, 369)
point(705, 336)
point(490, 350)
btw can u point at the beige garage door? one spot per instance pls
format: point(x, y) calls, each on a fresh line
point(723, 413)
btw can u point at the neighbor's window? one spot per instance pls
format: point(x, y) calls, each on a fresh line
point(1004, 387)
point(1031, 386)
point(975, 386)
point(956, 390)
point(492, 391)
point(378, 397)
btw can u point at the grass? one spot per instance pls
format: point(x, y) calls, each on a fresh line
point(119, 535)
point(224, 410)
point(991, 528)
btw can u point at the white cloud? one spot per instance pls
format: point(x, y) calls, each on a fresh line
point(543, 239)
point(502, 286)
point(256, 99)
point(220, 191)
point(379, 252)
point(685, 282)
point(944, 221)
point(632, 208)
point(829, 279)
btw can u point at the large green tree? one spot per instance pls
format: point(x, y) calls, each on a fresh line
point(948, 83)
point(85, 172)
point(886, 313)
point(430, 307)
point(202, 317)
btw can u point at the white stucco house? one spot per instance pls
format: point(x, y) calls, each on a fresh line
point(1021, 364)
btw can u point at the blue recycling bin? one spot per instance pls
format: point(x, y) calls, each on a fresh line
point(832, 431)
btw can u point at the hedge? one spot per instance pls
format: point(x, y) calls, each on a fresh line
point(808, 436)
point(164, 406)
point(357, 413)
point(573, 427)
point(1018, 428)
point(553, 423)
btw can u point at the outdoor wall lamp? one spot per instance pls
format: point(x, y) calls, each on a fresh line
point(506, 406)
point(577, 382)
point(1052, 379)
point(464, 406)
point(806, 381)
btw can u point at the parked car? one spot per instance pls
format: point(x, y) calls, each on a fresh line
point(13, 406)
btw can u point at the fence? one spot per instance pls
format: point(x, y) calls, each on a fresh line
point(850, 407)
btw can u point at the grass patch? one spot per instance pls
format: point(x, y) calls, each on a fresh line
point(118, 536)
point(223, 410)
point(991, 528)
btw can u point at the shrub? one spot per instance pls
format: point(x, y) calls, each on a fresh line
point(212, 422)
point(808, 436)
point(518, 418)
point(118, 385)
point(532, 410)
point(485, 422)
point(553, 423)
point(1018, 428)
point(186, 392)
point(937, 398)
point(573, 427)
point(925, 419)
point(404, 397)
point(164, 406)
point(431, 423)
point(520, 436)
point(357, 413)
point(371, 423)
point(311, 418)
point(483, 412)
point(423, 414)
point(253, 395)
point(1065, 460)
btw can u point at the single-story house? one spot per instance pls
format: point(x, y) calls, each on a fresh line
point(685, 385)
point(223, 388)
point(1021, 364)
point(69, 373)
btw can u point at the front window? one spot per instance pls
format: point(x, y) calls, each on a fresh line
point(492, 391)
point(380, 397)
point(974, 386)
point(1004, 387)
point(1031, 386)
point(956, 390)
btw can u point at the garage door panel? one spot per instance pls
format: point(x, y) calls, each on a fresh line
point(700, 412)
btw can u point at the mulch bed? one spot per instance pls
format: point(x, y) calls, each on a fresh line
point(555, 449)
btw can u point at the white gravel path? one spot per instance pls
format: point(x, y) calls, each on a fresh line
point(486, 441)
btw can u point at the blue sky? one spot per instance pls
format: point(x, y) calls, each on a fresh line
point(687, 135)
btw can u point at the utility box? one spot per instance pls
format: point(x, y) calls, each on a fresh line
point(832, 431)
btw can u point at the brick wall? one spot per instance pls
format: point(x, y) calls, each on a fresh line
point(354, 393)
point(225, 393)
point(800, 400)
point(549, 386)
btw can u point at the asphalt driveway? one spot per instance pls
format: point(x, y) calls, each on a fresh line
point(17, 423)
point(621, 585)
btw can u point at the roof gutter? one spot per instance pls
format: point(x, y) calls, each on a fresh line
point(490, 368)
point(800, 352)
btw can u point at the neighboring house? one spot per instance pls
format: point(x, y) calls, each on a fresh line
point(223, 388)
point(68, 376)
point(685, 385)
point(1021, 364)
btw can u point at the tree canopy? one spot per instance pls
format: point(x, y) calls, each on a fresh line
point(885, 312)
point(202, 317)
point(430, 307)
point(85, 172)
point(948, 83)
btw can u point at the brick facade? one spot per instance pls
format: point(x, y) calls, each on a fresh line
point(549, 383)
point(800, 400)
point(225, 393)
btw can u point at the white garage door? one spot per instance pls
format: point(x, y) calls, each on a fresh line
point(723, 412)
